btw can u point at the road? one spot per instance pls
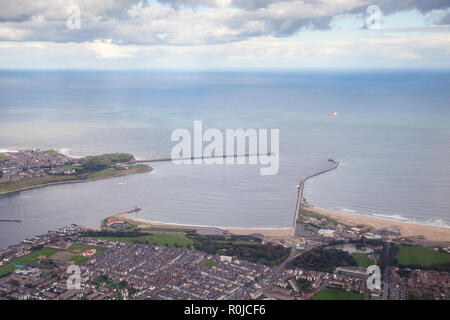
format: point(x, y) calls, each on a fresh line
point(387, 267)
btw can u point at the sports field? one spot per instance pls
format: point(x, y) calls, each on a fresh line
point(411, 255)
point(363, 260)
point(338, 294)
point(33, 257)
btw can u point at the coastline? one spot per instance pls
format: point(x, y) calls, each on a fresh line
point(149, 169)
point(416, 232)
point(407, 229)
point(267, 232)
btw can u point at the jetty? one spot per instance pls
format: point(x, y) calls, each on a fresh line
point(246, 155)
point(301, 201)
point(10, 220)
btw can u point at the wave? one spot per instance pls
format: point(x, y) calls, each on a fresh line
point(398, 217)
point(345, 210)
point(391, 217)
point(430, 222)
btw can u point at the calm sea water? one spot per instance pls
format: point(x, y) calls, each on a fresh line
point(392, 137)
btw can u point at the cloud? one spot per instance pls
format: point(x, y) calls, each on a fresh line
point(228, 32)
point(373, 45)
point(105, 49)
point(183, 22)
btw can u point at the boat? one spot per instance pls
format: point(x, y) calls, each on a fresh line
point(333, 114)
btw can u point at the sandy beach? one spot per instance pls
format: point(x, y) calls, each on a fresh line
point(407, 229)
point(268, 232)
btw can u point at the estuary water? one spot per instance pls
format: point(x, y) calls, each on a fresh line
point(392, 138)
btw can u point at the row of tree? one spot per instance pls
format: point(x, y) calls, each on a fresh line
point(322, 259)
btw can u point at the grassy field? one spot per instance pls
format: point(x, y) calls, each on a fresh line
point(161, 240)
point(182, 230)
point(40, 181)
point(410, 255)
point(338, 294)
point(33, 257)
point(108, 172)
point(209, 263)
point(50, 152)
point(79, 259)
point(363, 260)
point(6, 269)
point(79, 248)
point(31, 182)
point(71, 166)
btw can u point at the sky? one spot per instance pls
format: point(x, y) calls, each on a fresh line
point(224, 34)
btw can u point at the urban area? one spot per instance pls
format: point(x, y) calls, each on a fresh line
point(122, 260)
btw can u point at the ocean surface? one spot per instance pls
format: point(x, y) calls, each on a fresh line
point(392, 138)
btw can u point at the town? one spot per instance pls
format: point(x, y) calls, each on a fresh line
point(122, 260)
point(15, 166)
point(20, 170)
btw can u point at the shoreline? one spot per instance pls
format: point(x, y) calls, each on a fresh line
point(413, 231)
point(149, 169)
point(268, 232)
point(420, 232)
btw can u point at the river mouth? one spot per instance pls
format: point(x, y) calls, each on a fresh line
point(391, 139)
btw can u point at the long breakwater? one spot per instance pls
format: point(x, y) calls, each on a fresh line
point(246, 155)
point(300, 199)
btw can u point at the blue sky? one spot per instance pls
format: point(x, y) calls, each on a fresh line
point(225, 34)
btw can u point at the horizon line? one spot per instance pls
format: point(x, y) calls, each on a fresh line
point(236, 70)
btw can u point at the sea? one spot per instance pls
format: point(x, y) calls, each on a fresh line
point(391, 137)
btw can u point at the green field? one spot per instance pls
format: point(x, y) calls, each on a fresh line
point(40, 181)
point(32, 182)
point(108, 172)
point(6, 269)
point(420, 256)
point(80, 247)
point(50, 152)
point(32, 258)
point(183, 230)
point(71, 166)
point(209, 263)
point(151, 239)
point(338, 294)
point(112, 172)
point(79, 259)
point(363, 260)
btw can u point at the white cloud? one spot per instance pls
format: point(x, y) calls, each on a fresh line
point(186, 22)
point(229, 31)
point(9, 33)
point(105, 49)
